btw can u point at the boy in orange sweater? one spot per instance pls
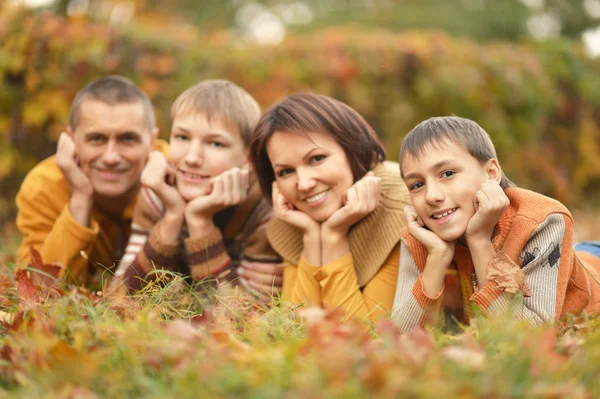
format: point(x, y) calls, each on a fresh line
point(474, 239)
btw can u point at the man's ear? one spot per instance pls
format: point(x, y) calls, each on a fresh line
point(493, 170)
point(70, 131)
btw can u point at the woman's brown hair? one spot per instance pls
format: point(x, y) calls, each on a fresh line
point(304, 113)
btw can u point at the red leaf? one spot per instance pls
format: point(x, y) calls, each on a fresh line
point(48, 273)
point(28, 294)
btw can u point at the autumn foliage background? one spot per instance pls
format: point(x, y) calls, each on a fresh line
point(540, 101)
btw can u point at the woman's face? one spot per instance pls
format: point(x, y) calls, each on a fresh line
point(312, 172)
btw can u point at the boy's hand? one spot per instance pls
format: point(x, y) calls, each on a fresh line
point(82, 191)
point(434, 244)
point(490, 203)
point(284, 210)
point(159, 176)
point(361, 199)
point(228, 189)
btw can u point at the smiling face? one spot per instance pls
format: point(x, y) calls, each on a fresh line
point(312, 172)
point(442, 183)
point(112, 145)
point(200, 150)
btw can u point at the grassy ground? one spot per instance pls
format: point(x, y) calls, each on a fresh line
point(169, 341)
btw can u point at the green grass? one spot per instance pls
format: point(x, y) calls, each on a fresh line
point(170, 341)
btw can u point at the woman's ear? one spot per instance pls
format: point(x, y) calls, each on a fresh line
point(493, 170)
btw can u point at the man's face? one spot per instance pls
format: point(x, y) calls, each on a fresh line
point(112, 145)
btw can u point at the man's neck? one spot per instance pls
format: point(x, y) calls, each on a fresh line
point(114, 206)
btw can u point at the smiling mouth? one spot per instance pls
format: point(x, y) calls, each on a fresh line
point(443, 215)
point(317, 197)
point(194, 176)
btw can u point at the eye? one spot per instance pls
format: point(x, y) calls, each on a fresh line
point(95, 139)
point(284, 172)
point(317, 158)
point(217, 144)
point(415, 186)
point(130, 138)
point(448, 173)
point(180, 137)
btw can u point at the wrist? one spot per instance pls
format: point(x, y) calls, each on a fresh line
point(199, 225)
point(170, 228)
point(80, 206)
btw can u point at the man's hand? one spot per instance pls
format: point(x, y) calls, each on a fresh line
point(262, 279)
point(490, 203)
point(159, 176)
point(361, 199)
point(82, 191)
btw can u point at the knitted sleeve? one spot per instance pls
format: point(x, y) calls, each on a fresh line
point(207, 254)
point(138, 257)
point(53, 232)
point(546, 270)
point(412, 306)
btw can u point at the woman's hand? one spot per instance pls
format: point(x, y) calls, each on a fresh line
point(360, 200)
point(284, 210)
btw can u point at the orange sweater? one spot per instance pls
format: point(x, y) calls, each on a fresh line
point(535, 255)
point(46, 224)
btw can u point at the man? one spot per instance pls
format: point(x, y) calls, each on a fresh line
point(75, 207)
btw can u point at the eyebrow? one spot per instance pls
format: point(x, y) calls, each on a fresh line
point(437, 165)
point(209, 134)
point(307, 155)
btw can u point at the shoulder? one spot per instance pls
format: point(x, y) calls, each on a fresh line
point(394, 194)
point(44, 178)
point(526, 204)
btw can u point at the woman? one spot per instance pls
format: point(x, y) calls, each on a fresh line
point(338, 206)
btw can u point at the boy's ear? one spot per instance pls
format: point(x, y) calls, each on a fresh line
point(493, 170)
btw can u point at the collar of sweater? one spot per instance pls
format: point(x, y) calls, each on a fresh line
point(371, 240)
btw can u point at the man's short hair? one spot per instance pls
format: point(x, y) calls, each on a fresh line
point(304, 113)
point(112, 90)
point(223, 100)
point(461, 131)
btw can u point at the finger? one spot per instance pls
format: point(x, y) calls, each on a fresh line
point(269, 289)
point(481, 201)
point(245, 180)
point(265, 279)
point(262, 267)
point(236, 185)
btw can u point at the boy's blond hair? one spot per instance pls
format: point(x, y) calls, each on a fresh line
point(223, 100)
point(461, 131)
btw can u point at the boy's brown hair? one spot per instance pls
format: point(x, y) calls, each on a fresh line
point(461, 131)
point(223, 100)
point(304, 113)
point(111, 90)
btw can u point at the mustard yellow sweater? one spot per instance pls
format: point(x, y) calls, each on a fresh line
point(46, 224)
point(362, 282)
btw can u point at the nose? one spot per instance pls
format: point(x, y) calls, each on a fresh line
point(195, 154)
point(435, 193)
point(112, 155)
point(306, 180)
